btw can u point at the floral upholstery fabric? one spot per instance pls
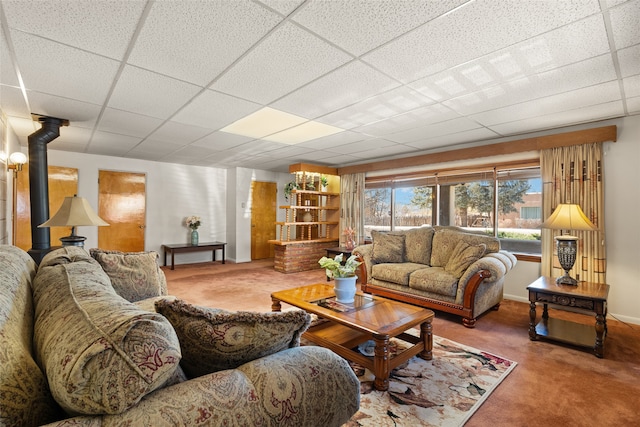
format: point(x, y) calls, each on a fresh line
point(417, 245)
point(100, 353)
point(214, 339)
point(436, 280)
point(395, 272)
point(25, 399)
point(387, 247)
point(463, 256)
point(134, 275)
point(446, 240)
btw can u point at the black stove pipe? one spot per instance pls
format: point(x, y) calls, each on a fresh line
point(39, 184)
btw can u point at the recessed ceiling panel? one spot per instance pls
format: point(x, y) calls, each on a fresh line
point(359, 26)
point(61, 70)
point(288, 58)
point(341, 88)
point(150, 94)
point(196, 40)
point(104, 27)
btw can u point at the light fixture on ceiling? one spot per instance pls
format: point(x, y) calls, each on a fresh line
point(568, 217)
point(277, 126)
point(75, 211)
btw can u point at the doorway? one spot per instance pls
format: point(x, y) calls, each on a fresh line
point(263, 219)
point(122, 203)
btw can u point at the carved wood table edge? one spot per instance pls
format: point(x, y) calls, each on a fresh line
point(372, 318)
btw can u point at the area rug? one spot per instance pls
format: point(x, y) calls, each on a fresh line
point(444, 391)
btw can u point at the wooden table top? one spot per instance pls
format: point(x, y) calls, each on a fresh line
point(371, 314)
point(583, 289)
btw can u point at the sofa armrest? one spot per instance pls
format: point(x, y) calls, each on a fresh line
point(365, 254)
point(490, 268)
point(299, 386)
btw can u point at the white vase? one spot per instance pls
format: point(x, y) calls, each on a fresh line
point(345, 289)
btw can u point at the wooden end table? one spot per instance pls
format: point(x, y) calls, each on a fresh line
point(586, 298)
point(185, 247)
point(368, 318)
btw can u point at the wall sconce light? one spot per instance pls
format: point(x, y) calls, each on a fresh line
point(16, 161)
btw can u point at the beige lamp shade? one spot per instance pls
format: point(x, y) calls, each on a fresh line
point(74, 211)
point(568, 217)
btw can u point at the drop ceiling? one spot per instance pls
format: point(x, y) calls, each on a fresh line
point(158, 80)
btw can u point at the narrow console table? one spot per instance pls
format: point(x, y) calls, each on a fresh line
point(186, 247)
point(585, 298)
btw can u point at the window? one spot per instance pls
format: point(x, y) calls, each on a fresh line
point(465, 199)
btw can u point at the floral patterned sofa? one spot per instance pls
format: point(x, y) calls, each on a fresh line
point(76, 352)
point(443, 268)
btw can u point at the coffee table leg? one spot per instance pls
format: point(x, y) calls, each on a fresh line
point(275, 305)
point(381, 362)
point(426, 334)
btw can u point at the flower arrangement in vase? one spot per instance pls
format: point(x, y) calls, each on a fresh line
point(349, 238)
point(344, 275)
point(193, 222)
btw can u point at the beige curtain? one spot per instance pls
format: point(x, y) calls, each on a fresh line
point(352, 205)
point(574, 175)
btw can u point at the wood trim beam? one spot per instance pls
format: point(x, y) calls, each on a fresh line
point(587, 136)
point(307, 167)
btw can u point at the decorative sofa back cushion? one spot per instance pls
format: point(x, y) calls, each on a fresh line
point(463, 256)
point(446, 240)
point(134, 275)
point(417, 244)
point(213, 339)
point(100, 353)
point(25, 399)
point(387, 247)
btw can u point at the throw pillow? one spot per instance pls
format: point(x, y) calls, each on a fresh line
point(387, 247)
point(134, 275)
point(463, 256)
point(101, 353)
point(213, 339)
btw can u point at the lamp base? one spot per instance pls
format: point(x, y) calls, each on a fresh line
point(567, 250)
point(73, 241)
point(566, 280)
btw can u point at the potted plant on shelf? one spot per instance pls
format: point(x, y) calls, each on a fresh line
point(324, 182)
point(344, 275)
point(289, 188)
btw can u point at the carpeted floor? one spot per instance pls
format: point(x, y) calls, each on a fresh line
point(553, 384)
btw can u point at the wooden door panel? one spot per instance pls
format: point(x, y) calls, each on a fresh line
point(122, 203)
point(63, 182)
point(263, 219)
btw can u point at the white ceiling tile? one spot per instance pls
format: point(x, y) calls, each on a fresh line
point(396, 101)
point(285, 7)
point(581, 115)
point(571, 77)
point(61, 70)
point(126, 123)
point(455, 138)
point(432, 130)
point(219, 141)
point(363, 146)
point(629, 59)
point(334, 140)
point(214, 110)
point(591, 95)
point(150, 94)
point(12, 102)
point(178, 133)
point(256, 147)
point(473, 30)
point(412, 119)
point(196, 40)
point(111, 144)
point(81, 114)
point(385, 152)
point(191, 153)
point(287, 59)
point(23, 127)
point(345, 86)
point(155, 148)
point(79, 24)
point(633, 105)
point(624, 21)
point(71, 139)
point(7, 68)
point(361, 25)
point(632, 86)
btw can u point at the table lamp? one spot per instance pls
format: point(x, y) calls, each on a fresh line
point(567, 217)
point(74, 211)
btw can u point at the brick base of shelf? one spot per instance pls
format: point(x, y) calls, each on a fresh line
point(292, 258)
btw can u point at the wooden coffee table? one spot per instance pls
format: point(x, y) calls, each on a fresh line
point(368, 318)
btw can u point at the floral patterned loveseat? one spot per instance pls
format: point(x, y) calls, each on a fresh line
point(75, 352)
point(444, 268)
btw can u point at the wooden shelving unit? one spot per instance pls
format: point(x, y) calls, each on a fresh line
point(313, 216)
